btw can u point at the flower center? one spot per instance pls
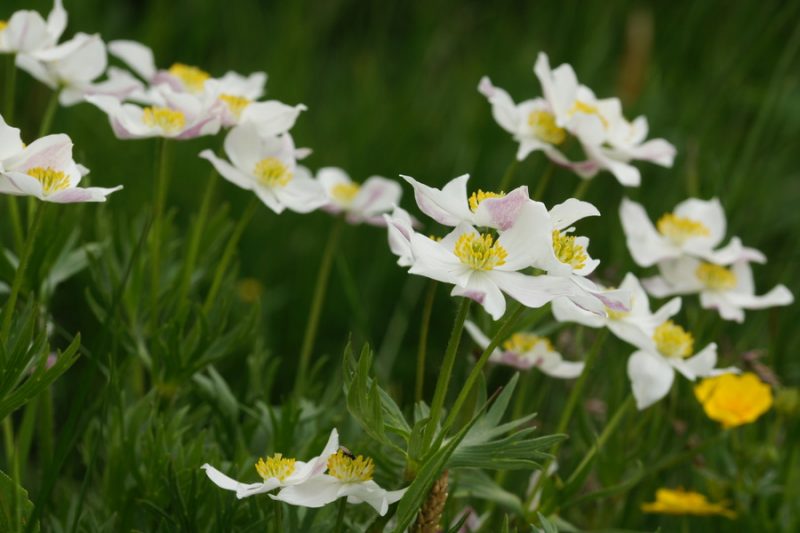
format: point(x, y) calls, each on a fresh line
point(277, 466)
point(715, 277)
point(525, 342)
point(349, 469)
point(52, 180)
point(673, 341)
point(169, 120)
point(477, 197)
point(193, 78)
point(3, 25)
point(544, 126)
point(236, 104)
point(680, 229)
point(568, 251)
point(272, 172)
point(480, 252)
point(345, 192)
point(587, 109)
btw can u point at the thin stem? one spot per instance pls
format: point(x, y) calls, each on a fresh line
point(583, 186)
point(227, 254)
point(194, 240)
point(11, 85)
point(278, 516)
point(49, 113)
point(340, 515)
point(19, 275)
point(422, 349)
point(503, 333)
point(445, 372)
point(569, 408)
point(16, 224)
point(508, 177)
point(321, 287)
point(13, 463)
point(161, 187)
point(541, 187)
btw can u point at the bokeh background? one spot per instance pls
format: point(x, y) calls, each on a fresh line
point(391, 89)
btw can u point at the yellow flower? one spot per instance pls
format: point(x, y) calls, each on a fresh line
point(734, 400)
point(683, 502)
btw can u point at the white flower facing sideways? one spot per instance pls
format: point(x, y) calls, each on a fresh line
point(238, 94)
point(266, 165)
point(524, 350)
point(608, 139)
point(401, 226)
point(634, 326)
point(365, 202)
point(26, 31)
point(694, 228)
point(730, 290)
point(44, 169)
point(669, 348)
point(277, 471)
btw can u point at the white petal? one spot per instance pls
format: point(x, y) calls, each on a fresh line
point(566, 311)
point(567, 213)
point(502, 213)
point(447, 206)
point(371, 493)
point(710, 213)
point(136, 55)
point(651, 378)
point(376, 196)
point(482, 290)
point(318, 491)
point(242, 490)
point(646, 245)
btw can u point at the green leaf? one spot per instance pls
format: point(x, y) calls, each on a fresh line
point(9, 493)
point(546, 525)
point(473, 483)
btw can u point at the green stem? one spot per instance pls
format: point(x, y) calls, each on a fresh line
point(422, 349)
point(16, 224)
point(340, 515)
point(321, 287)
point(11, 85)
point(49, 113)
point(503, 333)
point(508, 177)
point(161, 187)
point(445, 373)
point(19, 275)
point(580, 190)
point(569, 408)
point(227, 254)
point(541, 187)
point(13, 463)
point(278, 516)
point(194, 241)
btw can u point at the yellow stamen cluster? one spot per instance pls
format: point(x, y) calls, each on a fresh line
point(3, 25)
point(544, 126)
point(679, 229)
point(169, 120)
point(272, 172)
point(673, 341)
point(587, 109)
point(480, 252)
point(52, 180)
point(715, 277)
point(277, 466)
point(477, 197)
point(525, 342)
point(193, 78)
point(733, 399)
point(682, 502)
point(350, 469)
point(345, 192)
point(568, 251)
point(236, 104)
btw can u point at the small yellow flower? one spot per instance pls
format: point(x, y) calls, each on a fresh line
point(683, 502)
point(734, 400)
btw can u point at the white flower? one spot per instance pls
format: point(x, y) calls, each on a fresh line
point(652, 368)
point(366, 202)
point(729, 290)
point(524, 351)
point(175, 116)
point(634, 326)
point(609, 140)
point(401, 227)
point(451, 206)
point(26, 31)
point(44, 169)
point(267, 166)
point(694, 228)
point(348, 476)
point(277, 471)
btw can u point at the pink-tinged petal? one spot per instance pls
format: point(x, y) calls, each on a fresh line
point(711, 214)
point(502, 213)
point(77, 194)
point(228, 171)
point(53, 151)
point(529, 238)
point(136, 55)
point(531, 291)
point(318, 491)
point(504, 110)
point(400, 229)
point(564, 310)
point(10, 141)
point(480, 289)
point(567, 213)
point(651, 378)
point(447, 206)
point(25, 185)
point(26, 32)
point(118, 85)
point(376, 196)
point(646, 245)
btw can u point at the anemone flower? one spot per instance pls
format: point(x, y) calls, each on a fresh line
point(366, 202)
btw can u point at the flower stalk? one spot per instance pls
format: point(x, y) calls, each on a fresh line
point(422, 349)
point(161, 187)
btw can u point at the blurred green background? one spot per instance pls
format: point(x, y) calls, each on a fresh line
point(391, 89)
